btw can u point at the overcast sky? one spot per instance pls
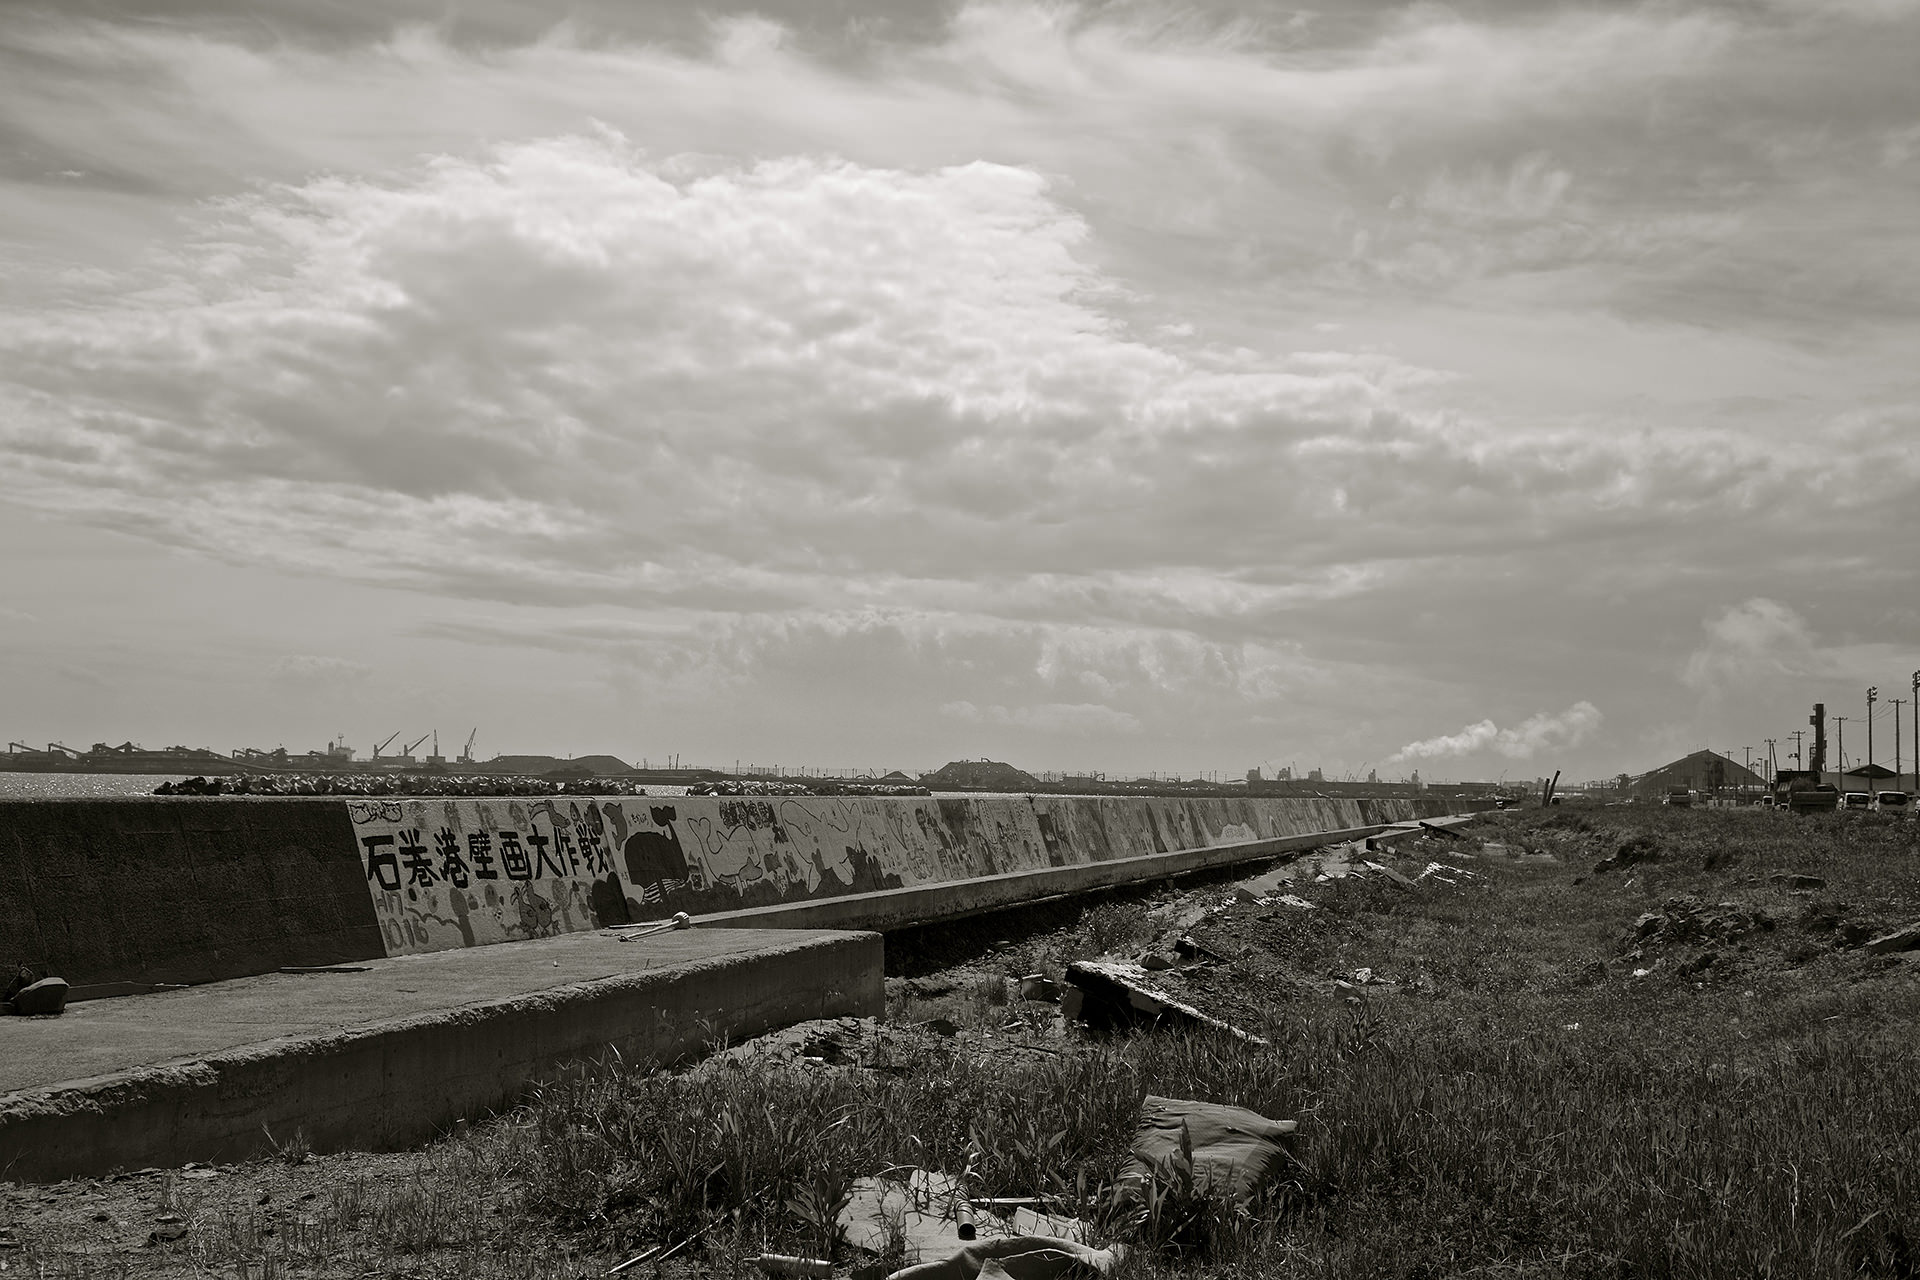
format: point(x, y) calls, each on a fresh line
point(1486, 389)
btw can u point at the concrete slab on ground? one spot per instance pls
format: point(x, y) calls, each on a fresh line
point(390, 1052)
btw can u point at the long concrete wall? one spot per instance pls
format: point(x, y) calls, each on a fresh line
point(190, 890)
point(386, 1057)
point(184, 890)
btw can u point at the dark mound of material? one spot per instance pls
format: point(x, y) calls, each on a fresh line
point(979, 775)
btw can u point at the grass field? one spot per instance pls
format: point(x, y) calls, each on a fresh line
point(1682, 1065)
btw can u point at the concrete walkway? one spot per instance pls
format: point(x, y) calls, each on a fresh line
point(387, 1054)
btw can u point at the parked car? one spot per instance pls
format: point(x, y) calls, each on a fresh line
point(1894, 802)
point(1856, 800)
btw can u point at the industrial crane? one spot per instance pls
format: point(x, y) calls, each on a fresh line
point(383, 746)
point(409, 749)
point(466, 752)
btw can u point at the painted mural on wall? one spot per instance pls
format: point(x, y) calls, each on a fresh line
point(466, 872)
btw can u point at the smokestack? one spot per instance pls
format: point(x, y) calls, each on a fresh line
point(1819, 722)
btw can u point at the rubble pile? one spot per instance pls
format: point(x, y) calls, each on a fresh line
point(396, 784)
point(1687, 923)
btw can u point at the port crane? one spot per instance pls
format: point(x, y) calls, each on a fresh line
point(466, 752)
point(409, 748)
point(383, 746)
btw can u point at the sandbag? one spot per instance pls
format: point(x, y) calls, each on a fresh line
point(1234, 1150)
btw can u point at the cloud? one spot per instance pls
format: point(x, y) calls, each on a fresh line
point(1205, 370)
point(318, 681)
point(1079, 718)
point(1749, 643)
point(1541, 732)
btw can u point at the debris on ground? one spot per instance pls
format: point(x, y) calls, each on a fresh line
point(924, 1218)
point(1686, 920)
point(928, 1221)
point(1108, 994)
point(30, 996)
point(1445, 874)
point(1217, 1150)
point(1039, 988)
point(1393, 877)
point(1635, 850)
point(1797, 883)
point(782, 1264)
point(1018, 1258)
point(1907, 939)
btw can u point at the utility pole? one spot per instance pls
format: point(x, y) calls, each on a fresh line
point(1916, 731)
point(1773, 766)
point(1897, 704)
point(1797, 735)
point(1873, 696)
point(1840, 745)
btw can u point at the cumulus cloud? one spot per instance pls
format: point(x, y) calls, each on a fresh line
point(1751, 642)
point(1541, 732)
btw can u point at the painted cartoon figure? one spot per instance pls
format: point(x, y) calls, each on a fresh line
point(726, 853)
point(655, 863)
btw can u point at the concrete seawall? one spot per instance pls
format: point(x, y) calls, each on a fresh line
point(469, 947)
point(187, 890)
point(180, 890)
point(390, 1054)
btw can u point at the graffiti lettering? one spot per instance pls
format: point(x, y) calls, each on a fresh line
point(413, 856)
point(542, 859)
point(480, 854)
point(592, 848)
point(513, 858)
point(453, 868)
point(382, 864)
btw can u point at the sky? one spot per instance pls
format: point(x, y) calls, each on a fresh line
point(1488, 389)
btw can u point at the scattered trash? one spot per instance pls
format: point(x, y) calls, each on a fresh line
point(659, 1252)
point(1106, 994)
point(781, 1264)
point(1017, 1258)
point(921, 1216)
point(1185, 946)
point(1394, 876)
point(628, 932)
point(1232, 1151)
point(1362, 977)
point(1297, 903)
